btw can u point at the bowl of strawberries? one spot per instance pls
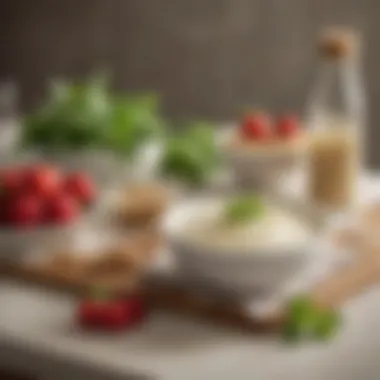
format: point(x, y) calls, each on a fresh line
point(41, 207)
point(262, 150)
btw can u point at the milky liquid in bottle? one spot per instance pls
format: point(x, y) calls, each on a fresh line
point(336, 122)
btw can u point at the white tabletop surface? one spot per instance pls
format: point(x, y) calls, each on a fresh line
point(36, 331)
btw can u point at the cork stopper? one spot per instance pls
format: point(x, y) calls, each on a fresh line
point(338, 43)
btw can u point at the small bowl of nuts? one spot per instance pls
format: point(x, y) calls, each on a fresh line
point(137, 205)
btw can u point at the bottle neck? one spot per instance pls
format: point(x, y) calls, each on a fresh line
point(337, 93)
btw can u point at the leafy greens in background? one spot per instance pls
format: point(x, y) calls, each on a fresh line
point(77, 117)
point(191, 156)
point(134, 120)
point(88, 116)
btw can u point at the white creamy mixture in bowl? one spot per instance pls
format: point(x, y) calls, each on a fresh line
point(276, 232)
point(258, 255)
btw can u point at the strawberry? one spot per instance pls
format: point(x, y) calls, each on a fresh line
point(81, 187)
point(24, 210)
point(287, 126)
point(61, 209)
point(256, 126)
point(43, 180)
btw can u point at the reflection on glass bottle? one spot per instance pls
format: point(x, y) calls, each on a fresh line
point(9, 123)
point(336, 122)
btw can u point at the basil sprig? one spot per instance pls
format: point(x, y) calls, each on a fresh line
point(306, 321)
point(244, 209)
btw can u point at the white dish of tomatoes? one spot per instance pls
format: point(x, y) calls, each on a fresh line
point(262, 150)
point(41, 208)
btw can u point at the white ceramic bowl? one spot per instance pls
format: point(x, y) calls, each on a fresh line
point(242, 272)
point(103, 167)
point(17, 244)
point(109, 169)
point(261, 168)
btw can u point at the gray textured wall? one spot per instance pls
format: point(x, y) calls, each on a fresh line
point(206, 57)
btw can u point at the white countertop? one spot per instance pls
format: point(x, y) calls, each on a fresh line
point(39, 324)
point(36, 331)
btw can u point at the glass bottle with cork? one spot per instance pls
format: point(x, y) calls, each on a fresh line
point(336, 122)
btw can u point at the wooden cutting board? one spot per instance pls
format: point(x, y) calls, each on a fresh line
point(161, 292)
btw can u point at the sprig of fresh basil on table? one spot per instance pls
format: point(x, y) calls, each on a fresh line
point(305, 321)
point(191, 156)
point(78, 117)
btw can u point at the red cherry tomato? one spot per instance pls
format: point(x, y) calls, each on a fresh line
point(81, 187)
point(135, 310)
point(287, 126)
point(90, 313)
point(110, 314)
point(11, 180)
point(42, 180)
point(256, 127)
point(24, 210)
point(61, 209)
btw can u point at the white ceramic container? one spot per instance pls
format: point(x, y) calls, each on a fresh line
point(241, 271)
